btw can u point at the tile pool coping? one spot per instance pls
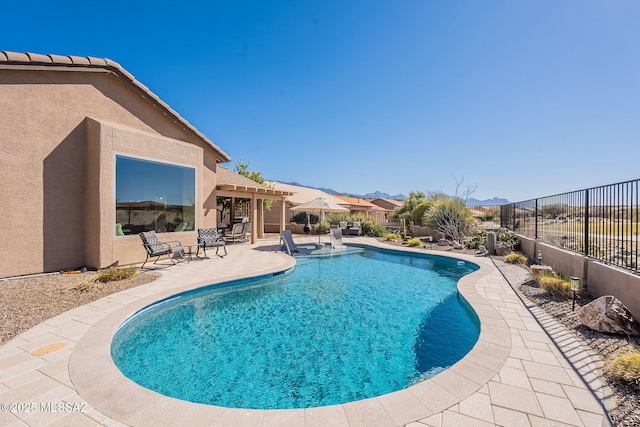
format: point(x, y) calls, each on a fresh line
point(99, 383)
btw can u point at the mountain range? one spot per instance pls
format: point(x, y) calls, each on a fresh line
point(374, 195)
point(379, 194)
point(496, 201)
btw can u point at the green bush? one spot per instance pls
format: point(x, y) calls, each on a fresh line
point(369, 225)
point(374, 230)
point(515, 258)
point(626, 367)
point(322, 227)
point(418, 214)
point(112, 274)
point(391, 236)
point(414, 242)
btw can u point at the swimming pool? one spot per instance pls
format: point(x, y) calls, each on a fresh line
point(330, 331)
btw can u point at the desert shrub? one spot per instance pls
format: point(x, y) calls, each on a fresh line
point(451, 217)
point(480, 238)
point(626, 367)
point(112, 274)
point(322, 227)
point(391, 236)
point(515, 258)
point(414, 242)
point(301, 218)
point(507, 236)
point(555, 286)
point(374, 230)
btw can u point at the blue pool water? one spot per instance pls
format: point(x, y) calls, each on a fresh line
point(332, 330)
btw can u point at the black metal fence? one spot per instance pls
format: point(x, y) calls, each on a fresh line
point(600, 222)
point(487, 216)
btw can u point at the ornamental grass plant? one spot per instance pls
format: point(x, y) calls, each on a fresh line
point(626, 367)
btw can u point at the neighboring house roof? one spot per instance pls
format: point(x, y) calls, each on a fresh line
point(388, 204)
point(87, 63)
point(358, 203)
point(302, 195)
point(233, 181)
point(478, 211)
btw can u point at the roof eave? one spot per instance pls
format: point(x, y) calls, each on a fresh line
point(79, 63)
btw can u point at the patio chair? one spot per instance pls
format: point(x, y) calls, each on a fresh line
point(209, 238)
point(355, 229)
point(342, 226)
point(155, 247)
point(236, 233)
point(245, 231)
point(336, 239)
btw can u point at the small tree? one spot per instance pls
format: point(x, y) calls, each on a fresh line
point(418, 214)
point(414, 199)
point(243, 169)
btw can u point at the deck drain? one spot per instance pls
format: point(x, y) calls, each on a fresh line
point(48, 349)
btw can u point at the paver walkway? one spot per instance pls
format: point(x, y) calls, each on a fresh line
point(516, 375)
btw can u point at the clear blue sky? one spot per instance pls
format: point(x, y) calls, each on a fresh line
point(524, 98)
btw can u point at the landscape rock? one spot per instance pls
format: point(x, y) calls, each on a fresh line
point(443, 242)
point(608, 314)
point(502, 249)
point(457, 245)
point(541, 270)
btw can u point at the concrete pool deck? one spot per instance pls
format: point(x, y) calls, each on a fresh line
point(525, 369)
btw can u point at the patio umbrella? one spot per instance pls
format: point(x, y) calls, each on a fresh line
point(320, 204)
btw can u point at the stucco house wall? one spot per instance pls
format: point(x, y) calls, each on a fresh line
point(60, 128)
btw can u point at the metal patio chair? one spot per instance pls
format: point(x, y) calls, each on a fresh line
point(235, 235)
point(209, 238)
point(154, 247)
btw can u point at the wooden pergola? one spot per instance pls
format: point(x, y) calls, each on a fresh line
point(236, 186)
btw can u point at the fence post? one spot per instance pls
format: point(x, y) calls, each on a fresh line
point(535, 218)
point(586, 222)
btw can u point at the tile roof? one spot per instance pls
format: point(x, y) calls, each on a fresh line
point(304, 194)
point(358, 202)
point(390, 201)
point(232, 181)
point(88, 62)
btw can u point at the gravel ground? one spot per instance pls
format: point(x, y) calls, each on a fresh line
point(28, 301)
point(627, 412)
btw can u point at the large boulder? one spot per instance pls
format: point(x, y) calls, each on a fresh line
point(502, 248)
point(608, 314)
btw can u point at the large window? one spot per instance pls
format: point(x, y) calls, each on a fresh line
point(154, 196)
